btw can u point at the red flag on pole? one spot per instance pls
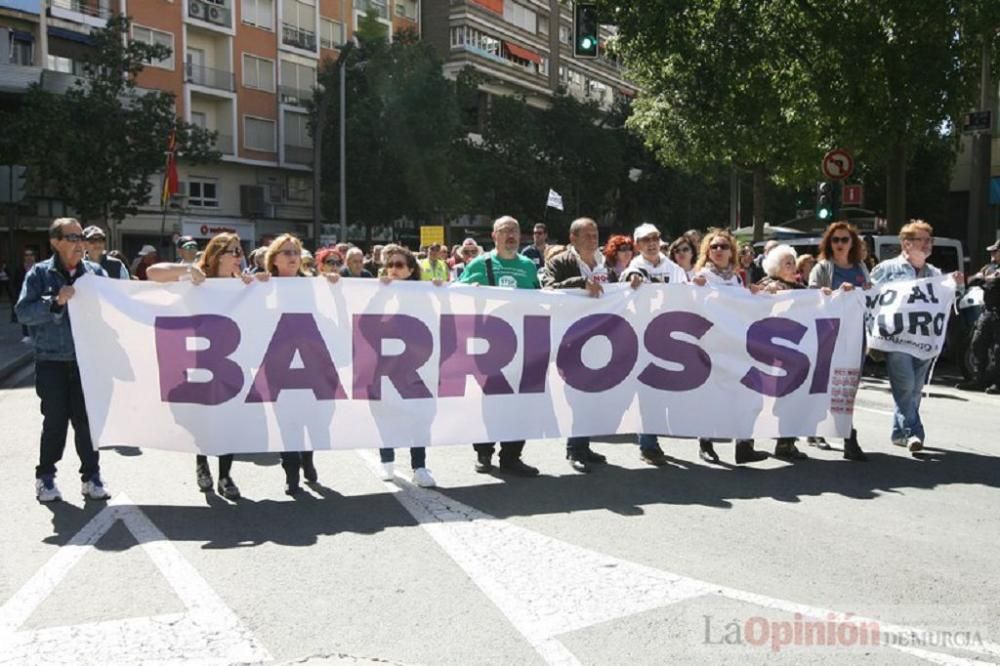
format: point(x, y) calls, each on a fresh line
point(170, 183)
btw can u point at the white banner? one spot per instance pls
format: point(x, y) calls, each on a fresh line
point(298, 363)
point(910, 316)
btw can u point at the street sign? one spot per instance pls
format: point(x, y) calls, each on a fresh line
point(853, 195)
point(431, 235)
point(978, 121)
point(838, 164)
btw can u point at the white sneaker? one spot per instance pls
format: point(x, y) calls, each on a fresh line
point(899, 441)
point(95, 490)
point(915, 444)
point(46, 490)
point(26, 340)
point(388, 474)
point(422, 477)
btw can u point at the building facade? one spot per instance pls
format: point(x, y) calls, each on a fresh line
point(242, 68)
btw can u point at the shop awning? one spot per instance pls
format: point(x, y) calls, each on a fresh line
point(523, 53)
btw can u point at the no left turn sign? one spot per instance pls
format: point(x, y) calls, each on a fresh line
point(838, 164)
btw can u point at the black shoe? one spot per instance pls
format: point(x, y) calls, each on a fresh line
point(993, 389)
point(292, 489)
point(654, 457)
point(484, 463)
point(745, 453)
point(971, 385)
point(852, 451)
point(593, 457)
point(309, 471)
point(517, 467)
point(228, 489)
point(786, 450)
point(577, 461)
point(204, 476)
point(707, 452)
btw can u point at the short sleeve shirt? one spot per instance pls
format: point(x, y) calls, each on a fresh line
point(517, 273)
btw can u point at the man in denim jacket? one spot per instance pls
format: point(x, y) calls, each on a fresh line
point(42, 307)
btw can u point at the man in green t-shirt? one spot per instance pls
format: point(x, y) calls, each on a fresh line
point(503, 267)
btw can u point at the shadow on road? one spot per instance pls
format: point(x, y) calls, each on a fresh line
point(324, 512)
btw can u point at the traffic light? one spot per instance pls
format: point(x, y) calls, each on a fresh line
point(585, 30)
point(824, 201)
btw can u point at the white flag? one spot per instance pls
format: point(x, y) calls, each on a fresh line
point(555, 200)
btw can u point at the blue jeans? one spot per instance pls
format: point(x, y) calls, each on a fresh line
point(649, 443)
point(58, 385)
point(418, 456)
point(907, 375)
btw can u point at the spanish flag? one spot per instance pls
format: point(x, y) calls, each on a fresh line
point(170, 183)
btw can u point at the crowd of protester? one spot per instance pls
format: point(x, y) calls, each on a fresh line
point(710, 259)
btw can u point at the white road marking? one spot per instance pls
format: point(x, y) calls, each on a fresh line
point(208, 633)
point(535, 580)
point(873, 411)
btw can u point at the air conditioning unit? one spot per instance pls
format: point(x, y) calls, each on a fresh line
point(196, 9)
point(218, 15)
point(252, 203)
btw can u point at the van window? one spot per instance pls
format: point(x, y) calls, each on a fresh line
point(944, 257)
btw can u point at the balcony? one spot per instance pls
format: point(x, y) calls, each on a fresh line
point(298, 155)
point(92, 8)
point(224, 144)
point(297, 96)
point(301, 38)
point(208, 77)
point(380, 7)
point(210, 12)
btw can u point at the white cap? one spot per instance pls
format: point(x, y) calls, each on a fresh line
point(644, 230)
point(147, 249)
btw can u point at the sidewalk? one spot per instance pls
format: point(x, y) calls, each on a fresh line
point(14, 354)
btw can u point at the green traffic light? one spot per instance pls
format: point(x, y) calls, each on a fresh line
point(587, 43)
point(824, 213)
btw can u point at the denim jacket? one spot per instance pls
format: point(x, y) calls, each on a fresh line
point(37, 309)
point(898, 268)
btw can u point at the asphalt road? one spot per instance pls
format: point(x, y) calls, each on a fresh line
point(691, 563)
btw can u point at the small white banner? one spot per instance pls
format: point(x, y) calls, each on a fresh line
point(910, 316)
point(298, 363)
point(554, 200)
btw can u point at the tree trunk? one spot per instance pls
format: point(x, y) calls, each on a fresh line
point(895, 187)
point(759, 193)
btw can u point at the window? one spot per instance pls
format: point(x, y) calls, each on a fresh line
point(199, 119)
point(297, 130)
point(564, 34)
point(297, 81)
point(331, 33)
point(259, 13)
point(300, 14)
point(258, 134)
point(543, 67)
point(203, 193)
point(21, 49)
point(258, 73)
point(543, 25)
point(151, 36)
point(520, 16)
point(299, 188)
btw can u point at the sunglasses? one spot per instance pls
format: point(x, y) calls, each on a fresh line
point(72, 238)
point(719, 246)
point(331, 262)
point(625, 248)
point(840, 239)
point(236, 252)
point(397, 264)
point(652, 237)
point(682, 249)
point(290, 253)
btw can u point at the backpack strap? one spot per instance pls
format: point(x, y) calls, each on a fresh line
point(490, 275)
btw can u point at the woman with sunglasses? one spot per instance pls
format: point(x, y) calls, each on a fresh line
point(221, 259)
point(841, 266)
point(328, 260)
point(400, 264)
point(618, 253)
point(682, 253)
point(717, 266)
point(284, 259)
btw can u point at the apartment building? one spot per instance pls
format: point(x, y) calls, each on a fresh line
point(523, 47)
point(243, 68)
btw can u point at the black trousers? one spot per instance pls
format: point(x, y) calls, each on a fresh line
point(508, 450)
point(293, 461)
point(985, 343)
point(225, 463)
point(57, 384)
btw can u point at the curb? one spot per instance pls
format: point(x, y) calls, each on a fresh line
point(12, 367)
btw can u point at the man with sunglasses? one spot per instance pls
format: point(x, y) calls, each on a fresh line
point(97, 245)
point(536, 251)
point(47, 289)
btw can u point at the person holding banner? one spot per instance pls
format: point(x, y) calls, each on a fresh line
point(718, 266)
point(580, 267)
point(618, 253)
point(503, 267)
point(841, 266)
point(907, 373)
point(47, 288)
point(399, 263)
point(682, 252)
point(284, 258)
point(221, 259)
point(651, 266)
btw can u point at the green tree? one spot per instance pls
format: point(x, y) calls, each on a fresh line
point(98, 146)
